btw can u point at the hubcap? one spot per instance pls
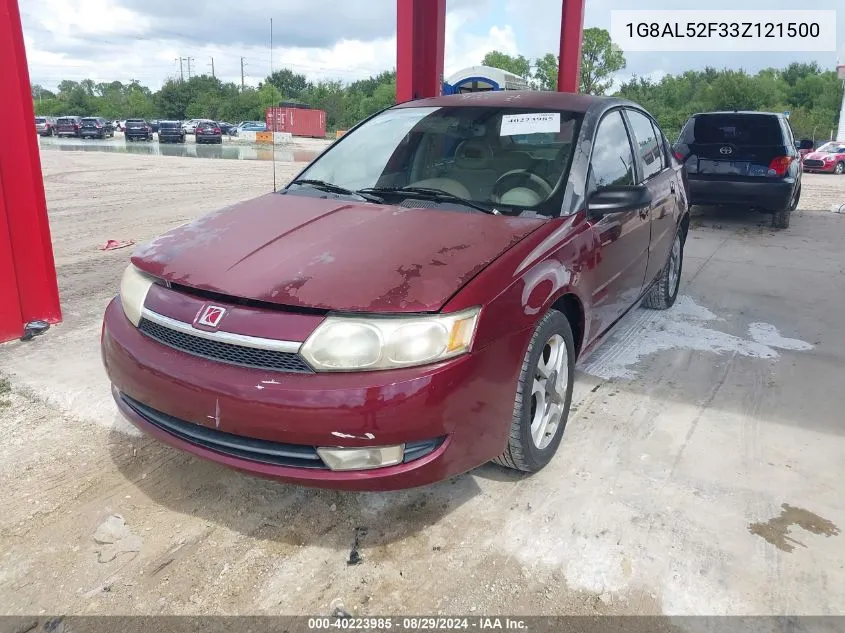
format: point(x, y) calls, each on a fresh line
point(838, 169)
point(675, 264)
point(551, 381)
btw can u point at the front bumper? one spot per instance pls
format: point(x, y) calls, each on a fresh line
point(761, 193)
point(464, 405)
point(825, 168)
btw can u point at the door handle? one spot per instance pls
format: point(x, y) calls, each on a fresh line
point(672, 186)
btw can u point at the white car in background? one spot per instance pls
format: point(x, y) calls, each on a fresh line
point(190, 126)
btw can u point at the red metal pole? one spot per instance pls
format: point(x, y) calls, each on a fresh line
point(23, 212)
point(571, 34)
point(420, 42)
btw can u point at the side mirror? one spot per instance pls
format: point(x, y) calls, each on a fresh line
point(618, 200)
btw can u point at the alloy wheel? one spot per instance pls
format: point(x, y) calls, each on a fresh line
point(551, 380)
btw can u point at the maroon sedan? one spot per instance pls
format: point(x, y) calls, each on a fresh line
point(412, 305)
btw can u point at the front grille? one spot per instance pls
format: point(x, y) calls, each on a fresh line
point(225, 352)
point(263, 451)
point(275, 453)
point(813, 163)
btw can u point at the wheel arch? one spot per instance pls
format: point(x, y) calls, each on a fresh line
point(570, 305)
point(684, 225)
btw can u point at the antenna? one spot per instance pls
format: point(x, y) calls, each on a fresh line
point(272, 125)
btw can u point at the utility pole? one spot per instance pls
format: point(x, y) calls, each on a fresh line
point(212, 68)
point(189, 60)
point(243, 87)
point(181, 74)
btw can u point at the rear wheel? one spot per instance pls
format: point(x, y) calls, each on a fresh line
point(663, 293)
point(543, 396)
point(839, 169)
point(780, 219)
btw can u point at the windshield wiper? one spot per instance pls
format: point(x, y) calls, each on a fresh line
point(333, 188)
point(430, 193)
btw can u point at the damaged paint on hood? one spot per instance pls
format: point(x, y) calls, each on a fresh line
point(332, 254)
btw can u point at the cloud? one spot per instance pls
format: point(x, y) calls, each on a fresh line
point(323, 39)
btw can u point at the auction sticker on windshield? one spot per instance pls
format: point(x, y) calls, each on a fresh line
point(533, 123)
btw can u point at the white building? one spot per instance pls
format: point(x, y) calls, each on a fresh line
point(482, 79)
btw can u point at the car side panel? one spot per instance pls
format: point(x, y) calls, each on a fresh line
point(522, 284)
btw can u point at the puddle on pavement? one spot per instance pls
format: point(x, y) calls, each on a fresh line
point(776, 530)
point(228, 150)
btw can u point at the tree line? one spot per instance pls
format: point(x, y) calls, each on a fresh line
point(204, 96)
point(811, 95)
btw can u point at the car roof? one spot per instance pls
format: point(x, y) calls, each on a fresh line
point(742, 112)
point(520, 99)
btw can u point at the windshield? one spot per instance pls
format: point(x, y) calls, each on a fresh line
point(832, 148)
point(39, 119)
point(507, 157)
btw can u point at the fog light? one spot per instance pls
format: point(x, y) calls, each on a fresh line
point(362, 458)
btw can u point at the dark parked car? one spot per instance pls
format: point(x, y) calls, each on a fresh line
point(154, 125)
point(170, 132)
point(45, 125)
point(226, 128)
point(742, 158)
point(95, 127)
point(138, 130)
point(208, 132)
point(412, 305)
point(68, 125)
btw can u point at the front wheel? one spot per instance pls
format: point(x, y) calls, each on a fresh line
point(663, 293)
point(543, 396)
point(839, 169)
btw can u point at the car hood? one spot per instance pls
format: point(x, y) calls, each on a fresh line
point(819, 156)
point(332, 254)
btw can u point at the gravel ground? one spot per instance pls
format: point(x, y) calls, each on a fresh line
point(678, 447)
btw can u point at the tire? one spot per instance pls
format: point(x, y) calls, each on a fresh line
point(839, 169)
point(552, 337)
point(780, 219)
point(663, 293)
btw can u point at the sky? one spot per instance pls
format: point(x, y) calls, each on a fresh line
point(108, 40)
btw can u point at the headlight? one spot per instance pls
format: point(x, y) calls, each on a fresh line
point(133, 291)
point(355, 343)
